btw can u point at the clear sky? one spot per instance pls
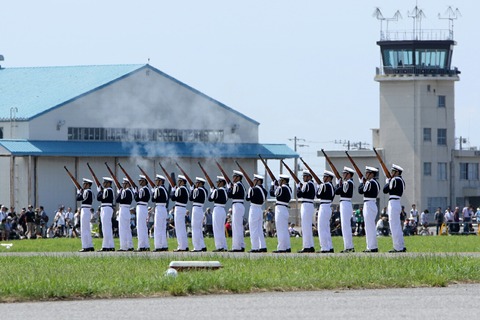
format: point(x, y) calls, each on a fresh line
point(301, 68)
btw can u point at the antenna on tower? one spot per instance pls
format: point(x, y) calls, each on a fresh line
point(417, 15)
point(378, 14)
point(450, 15)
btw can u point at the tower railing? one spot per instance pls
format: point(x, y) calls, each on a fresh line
point(417, 70)
point(425, 34)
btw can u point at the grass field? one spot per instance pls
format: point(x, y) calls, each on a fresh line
point(117, 275)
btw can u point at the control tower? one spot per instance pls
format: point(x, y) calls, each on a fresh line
point(417, 109)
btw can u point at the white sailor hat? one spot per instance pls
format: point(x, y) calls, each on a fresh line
point(126, 180)
point(221, 178)
point(348, 170)
point(397, 168)
point(182, 177)
point(371, 169)
point(306, 173)
point(237, 173)
point(87, 181)
point(198, 179)
point(159, 177)
point(107, 179)
point(142, 177)
point(259, 177)
point(284, 176)
point(328, 173)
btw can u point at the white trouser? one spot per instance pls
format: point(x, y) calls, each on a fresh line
point(281, 222)
point(255, 223)
point(124, 231)
point(306, 214)
point(85, 232)
point(197, 224)
point(324, 233)
point(219, 217)
point(160, 227)
point(238, 211)
point(394, 208)
point(180, 228)
point(142, 229)
point(370, 214)
point(346, 211)
point(106, 216)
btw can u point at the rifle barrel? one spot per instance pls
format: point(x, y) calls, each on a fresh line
point(250, 182)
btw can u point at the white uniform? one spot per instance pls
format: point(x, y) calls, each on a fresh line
point(219, 197)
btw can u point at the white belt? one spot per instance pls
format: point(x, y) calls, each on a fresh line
point(161, 204)
point(256, 205)
point(197, 204)
point(183, 205)
point(369, 199)
point(219, 205)
point(141, 203)
point(325, 201)
point(106, 204)
point(124, 206)
point(237, 201)
point(345, 199)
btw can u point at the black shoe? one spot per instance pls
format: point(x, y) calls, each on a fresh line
point(236, 250)
point(326, 251)
point(262, 250)
point(348, 250)
point(204, 249)
point(307, 250)
point(103, 250)
point(282, 251)
point(160, 249)
point(196, 250)
point(371, 250)
point(219, 250)
point(181, 250)
point(394, 251)
point(87, 249)
point(122, 250)
point(130, 249)
point(254, 251)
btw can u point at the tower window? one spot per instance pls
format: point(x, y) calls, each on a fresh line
point(441, 102)
point(442, 137)
point(427, 168)
point(442, 171)
point(427, 134)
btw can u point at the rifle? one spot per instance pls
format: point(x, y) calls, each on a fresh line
point(169, 178)
point(337, 175)
point(75, 182)
point(291, 172)
point(207, 176)
point(317, 179)
point(114, 177)
point(384, 167)
point(223, 172)
point(250, 182)
point(270, 173)
point(152, 184)
point(360, 174)
point(94, 176)
point(185, 174)
point(128, 176)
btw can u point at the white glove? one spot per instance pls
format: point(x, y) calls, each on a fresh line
point(174, 188)
point(118, 191)
point(360, 180)
point(134, 190)
point(299, 185)
point(387, 181)
point(273, 183)
point(337, 181)
point(99, 188)
point(192, 188)
point(229, 185)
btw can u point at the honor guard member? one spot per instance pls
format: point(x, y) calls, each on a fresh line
point(395, 187)
point(345, 190)
point(306, 194)
point(236, 192)
point(326, 193)
point(219, 197)
point(160, 198)
point(257, 196)
point(198, 196)
point(86, 196)
point(105, 196)
point(125, 198)
point(283, 193)
point(180, 196)
point(142, 196)
point(370, 188)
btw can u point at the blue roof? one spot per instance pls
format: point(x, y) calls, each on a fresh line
point(146, 149)
point(36, 90)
